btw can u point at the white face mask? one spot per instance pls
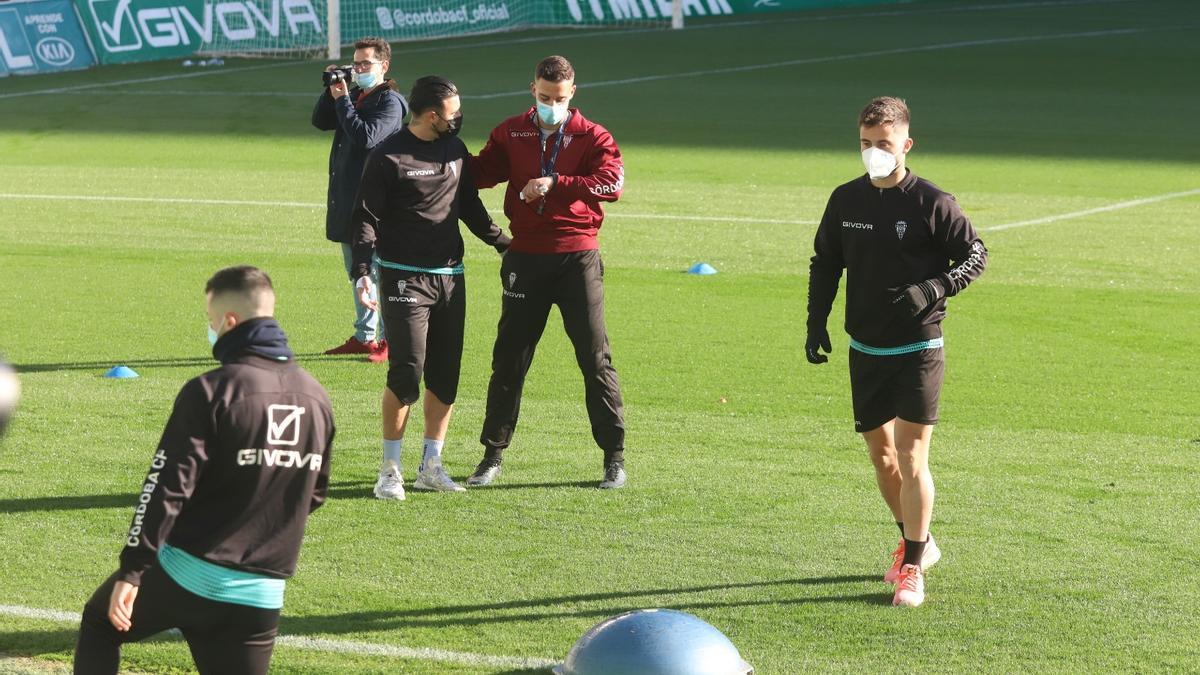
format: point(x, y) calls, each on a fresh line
point(880, 163)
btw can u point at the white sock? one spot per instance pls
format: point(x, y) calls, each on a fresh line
point(391, 453)
point(433, 450)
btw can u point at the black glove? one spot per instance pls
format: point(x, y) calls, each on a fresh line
point(817, 337)
point(910, 301)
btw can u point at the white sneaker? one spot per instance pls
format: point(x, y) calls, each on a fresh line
point(434, 477)
point(390, 485)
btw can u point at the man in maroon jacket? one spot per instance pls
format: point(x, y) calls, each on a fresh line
point(559, 167)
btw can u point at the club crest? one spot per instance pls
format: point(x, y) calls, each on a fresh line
point(901, 228)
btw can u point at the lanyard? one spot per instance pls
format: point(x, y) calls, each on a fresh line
point(547, 165)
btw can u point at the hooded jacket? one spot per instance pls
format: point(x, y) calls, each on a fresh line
point(359, 123)
point(243, 460)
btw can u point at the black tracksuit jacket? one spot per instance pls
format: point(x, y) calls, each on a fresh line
point(410, 199)
point(886, 239)
point(242, 462)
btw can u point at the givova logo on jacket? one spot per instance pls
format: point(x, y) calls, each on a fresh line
point(283, 424)
point(283, 428)
point(122, 28)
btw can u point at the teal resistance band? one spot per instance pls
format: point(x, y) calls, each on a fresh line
point(456, 270)
point(218, 583)
point(935, 343)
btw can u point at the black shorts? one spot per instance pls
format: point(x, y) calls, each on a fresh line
point(424, 316)
point(224, 638)
point(907, 386)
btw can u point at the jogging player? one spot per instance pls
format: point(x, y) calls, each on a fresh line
point(906, 247)
point(415, 188)
point(560, 167)
point(242, 462)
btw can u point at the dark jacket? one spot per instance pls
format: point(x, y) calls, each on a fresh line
point(242, 462)
point(412, 196)
point(886, 239)
point(357, 128)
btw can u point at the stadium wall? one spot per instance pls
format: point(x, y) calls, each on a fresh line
point(123, 31)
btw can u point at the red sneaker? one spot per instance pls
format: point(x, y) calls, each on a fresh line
point(351, 346)
point(379, 352)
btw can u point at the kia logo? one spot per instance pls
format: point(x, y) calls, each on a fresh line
point(55, 51)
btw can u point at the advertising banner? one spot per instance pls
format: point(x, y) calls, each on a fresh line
point(582, 12)
point(41, 37)
point(125, 30)
point(143, 30)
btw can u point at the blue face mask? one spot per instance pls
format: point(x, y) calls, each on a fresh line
point(552, 115)
point(366, 80)
point(212, 334)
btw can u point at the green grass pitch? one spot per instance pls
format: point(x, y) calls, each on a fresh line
point(1067, 506)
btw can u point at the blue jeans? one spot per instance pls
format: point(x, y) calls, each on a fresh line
point(367, 326)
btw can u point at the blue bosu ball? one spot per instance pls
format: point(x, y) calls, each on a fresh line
point(654, 642)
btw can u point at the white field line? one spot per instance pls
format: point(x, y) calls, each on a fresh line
point(618, 214)
point(41, 614)
point(844, 57)
point(1088, 212)
point(556, 38)
point(146, 80)
point(332, 646)
point(163, 200)
point(318, 205)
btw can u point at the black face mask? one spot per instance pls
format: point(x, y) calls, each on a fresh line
point(453, 125)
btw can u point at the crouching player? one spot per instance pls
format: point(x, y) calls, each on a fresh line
point(242, 462)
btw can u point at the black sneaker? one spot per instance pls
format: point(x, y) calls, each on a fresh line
point(485, 473)
point(614, 476)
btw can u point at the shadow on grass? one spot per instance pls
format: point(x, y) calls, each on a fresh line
point(103, 366)
point(536, 486)
point(174, 362)
point(605, 605)
point(337, 490)
point(34, 642)
point(69, 503)
point(365, 489)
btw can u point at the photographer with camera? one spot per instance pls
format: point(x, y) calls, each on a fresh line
point(361, 117)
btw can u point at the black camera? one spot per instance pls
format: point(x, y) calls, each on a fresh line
point(339, 74)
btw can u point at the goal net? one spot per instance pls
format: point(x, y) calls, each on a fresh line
point(311, 28)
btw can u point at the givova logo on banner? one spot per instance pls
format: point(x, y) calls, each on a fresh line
point(37, 37)
point(126, 31)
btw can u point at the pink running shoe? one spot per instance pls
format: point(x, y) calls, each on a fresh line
point(932, 555)
point(910, 588)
